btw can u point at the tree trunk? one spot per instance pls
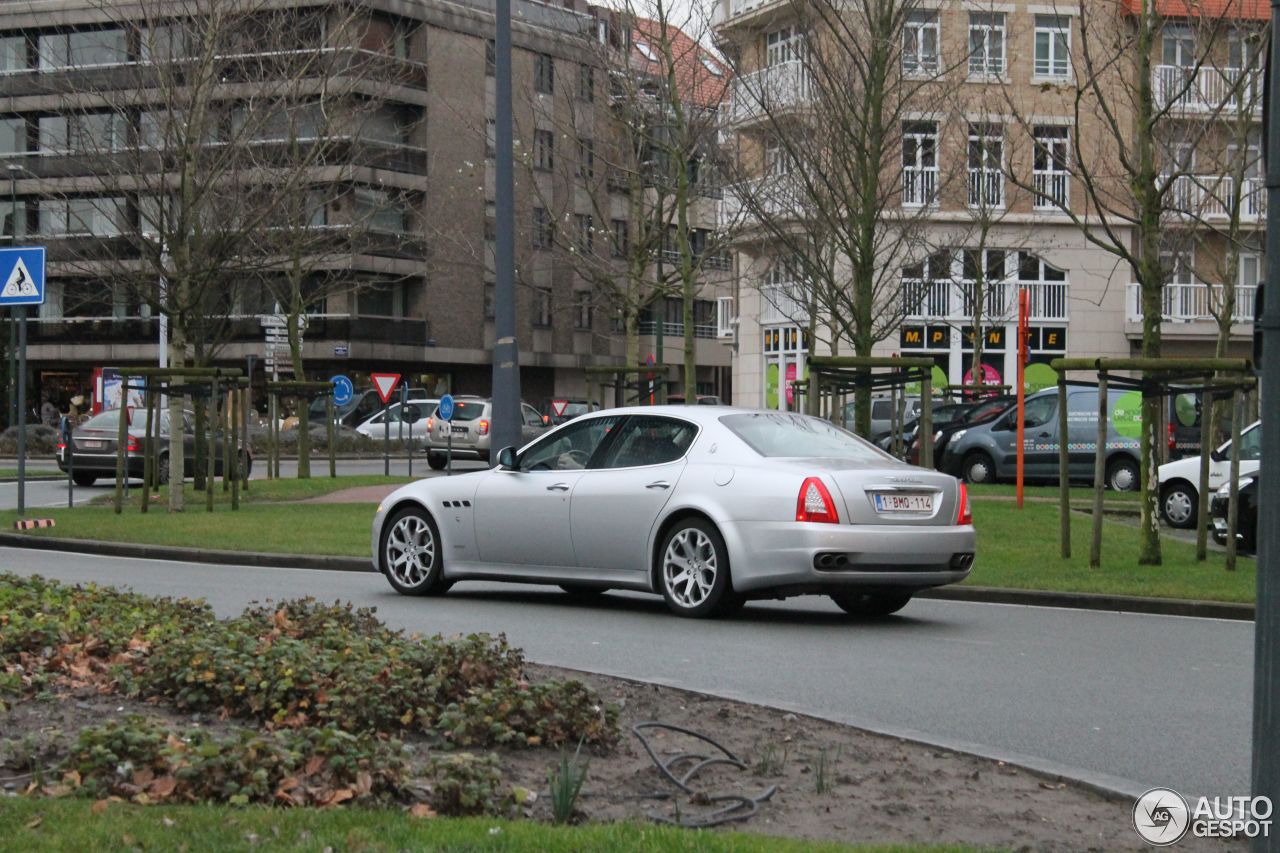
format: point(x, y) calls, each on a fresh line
point(177, 460)
point(1149, 525)
point(304, 407)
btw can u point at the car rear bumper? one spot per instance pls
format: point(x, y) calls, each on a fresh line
point(102, 463)
point(785, 556)
point(460, 451)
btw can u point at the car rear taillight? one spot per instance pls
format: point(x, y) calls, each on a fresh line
point(965, 515)
point(431, 422)
point(61, 446)
point(1171, 443)
point(814, 503)
point(484, 427)
point(132, 445)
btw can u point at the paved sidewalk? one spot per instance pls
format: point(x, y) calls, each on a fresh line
point(356, 495)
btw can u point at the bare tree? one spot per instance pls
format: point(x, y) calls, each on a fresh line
point(851, 173)
point(1146, 91)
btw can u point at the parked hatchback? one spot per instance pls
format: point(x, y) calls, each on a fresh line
point(1179, 481)
point(93, 447)
point(467, 434)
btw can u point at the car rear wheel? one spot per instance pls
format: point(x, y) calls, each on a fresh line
point(693, 569)
point(1122, 475)
point(1179, 503)
point(162, 470)
point(978, 468)
point(411, 555)
point(436, 461)
point(870, 604)
point(81, 478)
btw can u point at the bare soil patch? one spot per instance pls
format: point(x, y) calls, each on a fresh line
point(878, 789)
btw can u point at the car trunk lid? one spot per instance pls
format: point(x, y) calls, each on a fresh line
point(874, 493)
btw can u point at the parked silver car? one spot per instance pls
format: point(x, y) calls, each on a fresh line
point(707, 506)
point(470, 430)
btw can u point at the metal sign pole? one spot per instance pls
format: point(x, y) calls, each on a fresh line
point(22, 410)
point(66, 448)
point(404, 403)
point(386, 437)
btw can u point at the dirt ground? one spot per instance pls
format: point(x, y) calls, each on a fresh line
point(876, 788)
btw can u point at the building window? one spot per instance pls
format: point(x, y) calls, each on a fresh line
point(777, 159)
point(490, 58)
point(621, 238)
point(490, 137)
point(13, 53)
point(1047, 289)
point(583, 228)
point(986, 166)
point(586, 83)
point(92, 217)
point(919, 163)
point(542, 307)
point(1050, 167)
point(543, 150)
point(920, 37)
point(986, 44)
point(14, 218)
point(781, 46)
point(544, 73)
point(1053, 46)
point(13, 136)
point(987, 265)
point(490, 220)
point(82, 49)
point(586, 159)
point(543, 230)
point(582, 310)
point(489, 299)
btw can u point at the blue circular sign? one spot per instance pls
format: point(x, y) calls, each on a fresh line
point(343, 390)
point(446, 408)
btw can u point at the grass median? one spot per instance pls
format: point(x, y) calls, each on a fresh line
point(1017, 549)
point(68, 825)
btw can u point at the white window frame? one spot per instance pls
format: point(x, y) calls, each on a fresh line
point(984, 28)
point(920, 177)
point(919, 59)
point(986, 139)
point(782, 46)
point(1049, 175)
point(1057, 31)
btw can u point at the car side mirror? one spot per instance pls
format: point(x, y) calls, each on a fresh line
point(1217, 455)
point(507, 458)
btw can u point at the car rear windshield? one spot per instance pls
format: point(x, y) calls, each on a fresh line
point(784, 434)
point(110, 419)
point(467, 411)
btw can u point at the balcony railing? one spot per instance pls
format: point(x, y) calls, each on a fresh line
point(768, 91)
point(1207, 89)
point(142, 330)
point(954, 301)
point(986, 188)
point(676, 330)
point(779, 305)
point(1191, 303)
point(744, 203)
point(919, 186)
point(1052, 190)
point(1212, 197)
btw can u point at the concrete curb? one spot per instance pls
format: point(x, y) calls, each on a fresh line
point(986, 595)
point(1093, 601)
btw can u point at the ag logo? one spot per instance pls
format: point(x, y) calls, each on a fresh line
point(1161, 817)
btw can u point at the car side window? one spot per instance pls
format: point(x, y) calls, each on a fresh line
point(881, 409)
point(647, 440)
point(570, 448)
point(531, 416)
point(1251, 445)
point(1040, 411)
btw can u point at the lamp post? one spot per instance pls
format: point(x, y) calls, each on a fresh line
point(506, 353)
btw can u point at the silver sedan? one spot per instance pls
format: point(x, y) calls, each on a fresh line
point(707, 506)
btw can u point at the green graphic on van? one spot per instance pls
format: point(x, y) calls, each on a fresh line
point(1126, 416)
point(938, 378)
point(1184, 407)
point(1038, 377)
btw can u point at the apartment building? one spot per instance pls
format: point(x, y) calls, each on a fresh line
point(996, 167)
point(396, 209)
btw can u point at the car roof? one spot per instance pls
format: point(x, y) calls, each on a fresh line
point(699, 414)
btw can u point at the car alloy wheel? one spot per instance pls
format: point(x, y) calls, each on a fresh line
point(411, 556)
point(1179, 505)
point(695, 569)
point(978, 468)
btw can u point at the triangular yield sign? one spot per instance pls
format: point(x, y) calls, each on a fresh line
point(19, 283)
point(385, 383)
point(558, 406)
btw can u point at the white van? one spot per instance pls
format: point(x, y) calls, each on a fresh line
point(1179, 481)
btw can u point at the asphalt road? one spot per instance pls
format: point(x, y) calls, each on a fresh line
point(1122, 700)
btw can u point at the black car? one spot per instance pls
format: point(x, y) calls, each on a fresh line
point(1246, 521)
point(970, 414)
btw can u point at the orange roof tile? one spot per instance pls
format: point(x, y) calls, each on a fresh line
point(1237, 10)
point(701, 77)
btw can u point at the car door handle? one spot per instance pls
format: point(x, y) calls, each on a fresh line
point(658, 484)
point(558, 487)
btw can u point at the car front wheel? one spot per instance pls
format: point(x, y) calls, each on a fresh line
point(1178, 503)
point(412, 557)
point(436, 461)
point(1122, 475)
point(870, 605)
point(693, 569)
point(978, 468)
